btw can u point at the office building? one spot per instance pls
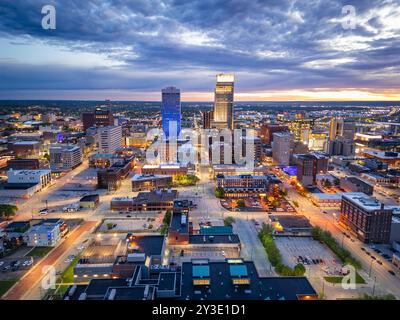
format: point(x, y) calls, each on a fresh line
point(223, 102)
point(197, 279)
point(41, 178)
point(207, 119)
point(43, 235)
point(65, 157)
point(354, 184)
point(246, 185)
point(281, 146)
point(341, 147)
point(392, 159)
point(142, 182)
point(308, 166)
point(110, 139)
point(301, 129)
point(157, 200)
point(171, 112)
point(25, 148)
point(99, 117)
point(267, 131)
point(165, 169)
point(366, 217)
point(110, 178)
point(255, 148)
point(23, 164)
point(340, 127)
point(317, 142)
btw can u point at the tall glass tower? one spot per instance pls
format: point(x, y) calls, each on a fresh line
point(223, 103)
point(171, 111)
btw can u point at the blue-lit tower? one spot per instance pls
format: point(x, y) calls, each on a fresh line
point(171, 111)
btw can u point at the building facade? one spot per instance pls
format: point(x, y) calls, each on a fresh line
point(366, 217)
point(65, 157)
point(40, 177)
point(223, 102)
point(171, 111)
point(281, 148)
point(110, 139)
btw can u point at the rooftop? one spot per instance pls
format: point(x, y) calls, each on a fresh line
point(150, 245)
point(91, 197)
point(155, 196)
point(28, 172)
point(364, 201)
point(214, 239)
point(238, 280)
point(179, 222)
point(144, 177)
point(19, 143)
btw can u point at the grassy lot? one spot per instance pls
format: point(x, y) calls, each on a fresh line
point(359, 279)
point(5, 285)
point(67, 277)
point(40, 251)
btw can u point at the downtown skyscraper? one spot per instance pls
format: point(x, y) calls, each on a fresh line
point(171, 111)
point(223, 102)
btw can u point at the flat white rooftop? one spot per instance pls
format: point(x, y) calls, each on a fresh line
point(29, 172)
point(139, 177)
point(364, 201)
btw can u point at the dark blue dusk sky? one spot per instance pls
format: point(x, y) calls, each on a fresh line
point(129, 50)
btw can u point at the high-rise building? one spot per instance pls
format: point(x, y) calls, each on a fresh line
point(301, 129)
point(341, 147)
point(65, 157)
point(171, 111)
point(340, 127)
point(223, 102)
point(207, 118)
point(110, 139)
point(309, 165)
point(267, 131)
point(99, 117)
point(281, 148)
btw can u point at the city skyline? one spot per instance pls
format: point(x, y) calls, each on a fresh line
point(294, 51)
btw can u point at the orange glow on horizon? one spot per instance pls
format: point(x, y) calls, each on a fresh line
point(323, 94)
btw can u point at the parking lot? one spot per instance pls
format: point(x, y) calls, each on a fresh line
point(148, 222)
point(315, 256)
point(12, 265)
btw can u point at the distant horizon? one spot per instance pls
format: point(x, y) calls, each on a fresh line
point(210, 101)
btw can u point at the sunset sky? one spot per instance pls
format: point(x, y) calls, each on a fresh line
point(129, 50)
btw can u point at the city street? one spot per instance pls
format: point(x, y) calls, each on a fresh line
point(327, 222)
point(31, 278)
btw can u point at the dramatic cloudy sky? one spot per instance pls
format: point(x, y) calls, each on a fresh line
point(130, 49)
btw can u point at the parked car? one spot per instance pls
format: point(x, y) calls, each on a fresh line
point(392, 272)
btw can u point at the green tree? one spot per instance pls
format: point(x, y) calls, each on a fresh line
point(219, 192)
point(299, 270)
point(8, 210)
point(167, 217)
point(186, 180)
point(228, 221)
